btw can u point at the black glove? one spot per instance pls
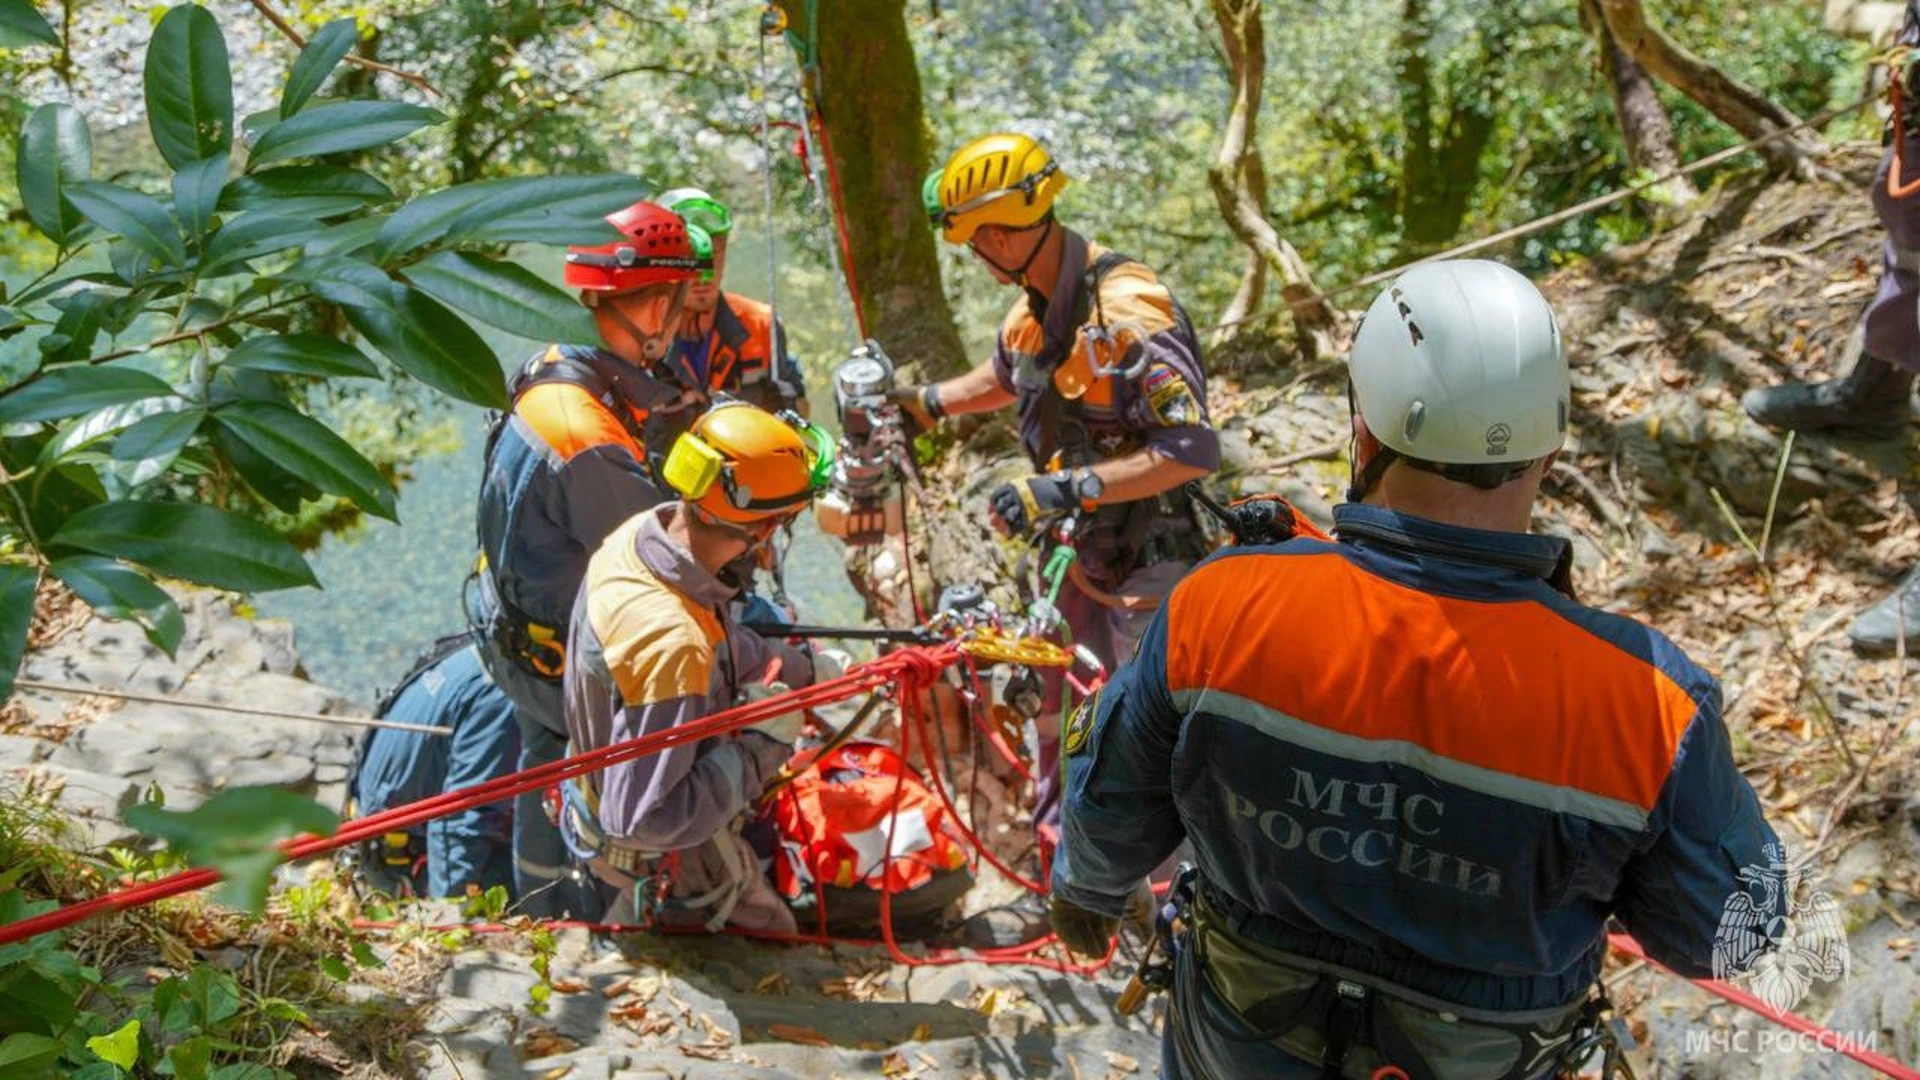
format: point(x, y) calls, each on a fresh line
point(1085, 932)
point(1017, 506)
point(917, 408)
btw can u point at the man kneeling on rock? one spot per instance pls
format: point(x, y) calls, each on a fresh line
point(654, 645)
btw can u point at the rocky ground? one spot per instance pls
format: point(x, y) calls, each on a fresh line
point(1664, 338)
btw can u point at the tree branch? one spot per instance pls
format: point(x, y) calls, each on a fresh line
point(265, 8)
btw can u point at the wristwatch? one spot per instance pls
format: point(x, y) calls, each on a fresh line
point(1088, 487)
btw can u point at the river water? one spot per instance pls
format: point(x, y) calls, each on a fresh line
point(387, 591)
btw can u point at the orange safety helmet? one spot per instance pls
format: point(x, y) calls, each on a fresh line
point(743, 465)
point(658, 247)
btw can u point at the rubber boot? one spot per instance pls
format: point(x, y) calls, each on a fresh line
point(1877, 631)
point(1870, 402)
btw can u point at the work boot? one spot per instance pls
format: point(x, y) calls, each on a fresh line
point(1877, 631)
point(1870, 402)
point(1008, 925)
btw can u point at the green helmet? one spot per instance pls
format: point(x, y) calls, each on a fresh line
point(699, 208)
point(930, 198)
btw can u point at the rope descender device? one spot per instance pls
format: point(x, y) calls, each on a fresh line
point(773, 21)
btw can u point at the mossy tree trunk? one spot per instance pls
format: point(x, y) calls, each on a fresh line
point(1644, 124)
point(866, 86)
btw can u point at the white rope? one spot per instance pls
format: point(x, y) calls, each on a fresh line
point(84, 690)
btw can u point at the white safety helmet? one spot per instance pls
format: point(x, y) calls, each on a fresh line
point(1458, 368)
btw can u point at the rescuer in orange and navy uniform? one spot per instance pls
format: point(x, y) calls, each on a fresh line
point(1418, 776)
point(727, 343)
point(563, 467)
point(1110, 388)
point(656, 646)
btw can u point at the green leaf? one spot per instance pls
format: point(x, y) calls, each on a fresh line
point(364, 955)
point(305, 190)
point(137, 216)
point(98, 1070)
point(212, 993)
point(343, 125)
point(573, 204)
point(250, 236)
point(301, 354)
point(17, 584)
point(246, 1071)
point(543, 229)
point(347, 237)
point(317, 61)
point(55, 150)
point(274, 485)
point(22, 24)
point(335, 968)
point(236, 832)
point(189, 87)
point(504, 295)
point(192, 1059)
point(104, 422)
point(157, 435)
point(432, 345)
point(305, 448)
point(24, 1051)
point(119, 592)
point(198, 543)
point(121, 1048)
point(70, 391)
point(196, 192)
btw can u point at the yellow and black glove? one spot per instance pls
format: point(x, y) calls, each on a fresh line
point(1016, 507)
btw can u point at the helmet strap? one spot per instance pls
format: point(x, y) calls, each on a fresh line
point(1367, 477)
point(660, 340)
point(1019, 274)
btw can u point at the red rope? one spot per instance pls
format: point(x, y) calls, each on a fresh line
point(839, 214)
point(910, 669)
point(1822, 1036)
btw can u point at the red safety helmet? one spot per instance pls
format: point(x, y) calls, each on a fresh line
point(659, 248)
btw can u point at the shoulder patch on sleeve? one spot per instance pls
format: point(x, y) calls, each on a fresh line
point(1169, 397)
point(1079, 727)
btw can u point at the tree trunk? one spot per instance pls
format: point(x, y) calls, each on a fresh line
point(1440, 162)
point(1644, 124)
point(1740, 108)
point(1239, 181)
point(866, 88)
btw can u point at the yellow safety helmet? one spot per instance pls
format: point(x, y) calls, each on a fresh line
point(1005, 179)
point(742, 464)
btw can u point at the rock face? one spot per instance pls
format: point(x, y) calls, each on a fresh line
point(101, 753)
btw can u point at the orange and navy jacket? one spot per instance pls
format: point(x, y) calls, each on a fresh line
point(562, 472)
point(1405, 754)
point(743, 354)
point(1157, 398)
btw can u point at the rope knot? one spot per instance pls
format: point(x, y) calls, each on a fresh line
point(916, 669)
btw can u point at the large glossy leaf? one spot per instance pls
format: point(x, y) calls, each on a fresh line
point(305, 448)
point(574, 204)
point(238, 833)
point(103, 422)
point(301, 354)
point(21, 24)
point(274, 485)
point(189, 86)
point(250, 236)
point(158, 435)
point(70, 391)
point(311, 190)
point(17, 583)
point(570, 200)
point(55, 150)
point(317, 61)
point(348, 237)
point(433, 345)
point(535, 228)
point(118, 591)
point(135, 215)
point(504, 295)
point(199, 543)
point(343, 125)
point(427, 218)
point(344, 281)
point(196, 192)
